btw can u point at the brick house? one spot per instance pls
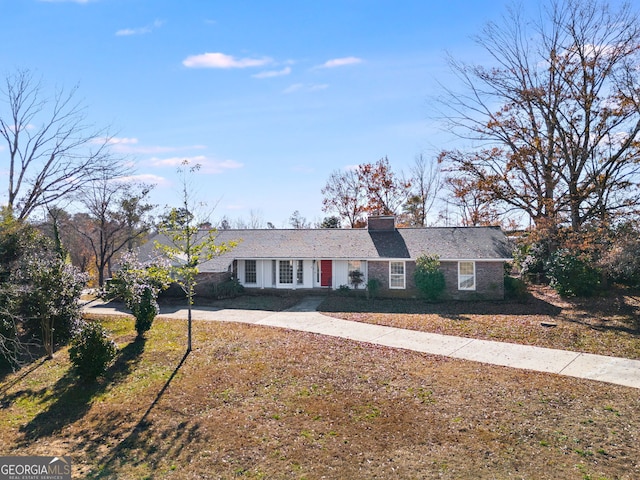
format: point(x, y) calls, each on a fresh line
point(472, 258)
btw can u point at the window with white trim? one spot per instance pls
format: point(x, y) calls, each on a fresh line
point(466, 275)
point(396, 275)
point(286, 271)
point(250, 271)
point(356, 272)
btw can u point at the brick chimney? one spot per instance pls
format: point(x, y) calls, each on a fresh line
point(381, 222)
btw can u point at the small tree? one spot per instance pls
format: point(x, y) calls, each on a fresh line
point(188, 246)
point(428, 277)
point(138, 285)
point(330, 222)
point(48, 290)
point(356, 278)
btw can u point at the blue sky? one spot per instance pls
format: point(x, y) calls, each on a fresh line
point(269, 96)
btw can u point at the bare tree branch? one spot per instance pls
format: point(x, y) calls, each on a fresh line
point(557, 115)
point(52, 150)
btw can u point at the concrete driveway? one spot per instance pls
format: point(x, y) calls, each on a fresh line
point(304, 317)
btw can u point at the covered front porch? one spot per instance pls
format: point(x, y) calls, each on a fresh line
point(292, 274)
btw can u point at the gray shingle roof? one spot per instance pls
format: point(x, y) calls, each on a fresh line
point(449, 243)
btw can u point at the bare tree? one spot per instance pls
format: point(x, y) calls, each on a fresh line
point(344, 195)
point(296, 220)
point(256, 219)
point(473, 206)
point(426, 184)
point(557, 115)
point(117, 218)
point(52, 151)
point(385, 191)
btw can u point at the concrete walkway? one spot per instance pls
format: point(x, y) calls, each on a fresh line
point(304, 317)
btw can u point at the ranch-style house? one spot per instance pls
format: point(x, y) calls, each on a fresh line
point(472, 258)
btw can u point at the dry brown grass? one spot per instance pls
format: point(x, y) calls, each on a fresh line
point(604, 325)
point(255, 402)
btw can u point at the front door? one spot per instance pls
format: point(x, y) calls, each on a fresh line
point(326, 273)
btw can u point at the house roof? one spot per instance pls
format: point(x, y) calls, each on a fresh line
point(448, 243)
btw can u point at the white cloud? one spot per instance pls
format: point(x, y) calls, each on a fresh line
point(142, 150)
point(207, 165)
point(147, 178)
point(220, 60)
point(131, 146)
point(302, 87)
point(125, 32)
point(273, 73)
point(122, 141)
point(340, 62)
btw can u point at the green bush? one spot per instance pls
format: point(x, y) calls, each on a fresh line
point(229, 288)
point(49, 295)
point(145, 310)
point(92, 350)
point(429, 278)
point(514, 288)
point(373, 288)
point(572, 274)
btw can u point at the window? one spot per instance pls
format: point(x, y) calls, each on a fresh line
point(250, 271)
point(299, 272)
point(286, 271)
point(466, 275)
point(396, 274)
point(356, 272)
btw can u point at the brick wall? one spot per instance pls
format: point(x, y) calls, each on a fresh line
point(206, 281)
point(489, 281)
point(379, 271)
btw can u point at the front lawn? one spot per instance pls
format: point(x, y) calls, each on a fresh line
point(607, 325)
point(257, 402)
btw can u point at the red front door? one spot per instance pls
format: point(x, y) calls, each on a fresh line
point(326, 274)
